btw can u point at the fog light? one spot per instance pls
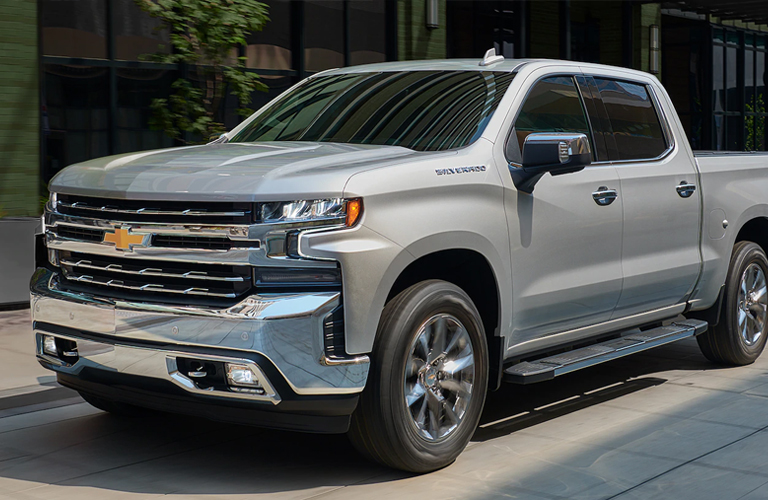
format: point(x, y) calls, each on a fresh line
point(49, 345)
point(241, 375)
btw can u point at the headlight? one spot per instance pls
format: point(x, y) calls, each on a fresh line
point(314, 212)
point(54, 201)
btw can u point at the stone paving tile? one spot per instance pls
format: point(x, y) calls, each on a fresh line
point(670, 438)
point(760, 390)
point(568, 470)
point(20, 369)
point(674, 400)
point(696, 482)
point(749, 455)
point(760, 493)
point(707, 380)
point(49, 492)
point(48, 417)
point(435, 485)
point(746, 411)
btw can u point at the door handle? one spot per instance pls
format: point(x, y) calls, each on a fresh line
point(604, 196)
point(685, 190)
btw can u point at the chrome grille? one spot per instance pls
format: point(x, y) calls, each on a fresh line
point(80, 233)
point(160, 240)
point(157, 211)
point(156, 277)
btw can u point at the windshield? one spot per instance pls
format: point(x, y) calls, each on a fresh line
point(420, 110)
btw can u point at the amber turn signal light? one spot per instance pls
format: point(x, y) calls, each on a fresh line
point(354, 211)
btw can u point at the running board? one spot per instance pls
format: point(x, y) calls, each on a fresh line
point(529, 372)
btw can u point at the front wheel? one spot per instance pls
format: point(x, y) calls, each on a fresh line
point(740, 336)
point(427, 383)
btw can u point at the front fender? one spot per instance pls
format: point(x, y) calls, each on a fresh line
point(371, 263)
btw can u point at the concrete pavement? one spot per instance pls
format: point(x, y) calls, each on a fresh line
point(665, 424)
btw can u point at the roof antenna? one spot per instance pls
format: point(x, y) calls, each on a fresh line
point(490, 57)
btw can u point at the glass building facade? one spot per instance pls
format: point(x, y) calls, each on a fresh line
point(95, 87)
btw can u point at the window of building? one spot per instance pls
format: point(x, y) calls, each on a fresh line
point(367, 32)
point(136, 88)
point(553, 105)
point(74, 28)
point(474, 27)
point(634, 120)
point(270, 48)
point(755, 112)
point(77, 124)
point(136, 33)
point(323, 34)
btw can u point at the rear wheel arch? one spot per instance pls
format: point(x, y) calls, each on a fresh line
point(756, 231)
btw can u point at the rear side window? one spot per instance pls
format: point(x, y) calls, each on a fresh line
point(553, 105)
point(634, 120)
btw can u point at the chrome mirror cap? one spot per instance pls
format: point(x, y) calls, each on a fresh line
point(553, 152)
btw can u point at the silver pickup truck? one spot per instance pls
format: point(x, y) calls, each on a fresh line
point(380, 245)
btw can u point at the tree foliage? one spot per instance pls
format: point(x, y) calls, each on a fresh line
point(204, 37)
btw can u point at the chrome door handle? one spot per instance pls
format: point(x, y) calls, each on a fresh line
point(604, 196)
point(685, 190)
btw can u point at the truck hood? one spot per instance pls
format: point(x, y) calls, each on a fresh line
point(264, 171)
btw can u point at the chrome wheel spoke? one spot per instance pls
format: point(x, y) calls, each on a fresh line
point(421, 416)
point(450, 414)
point(458, 336)
point(439, 376)
point(455, 366)
point(416, 394)
point(439, 334)
point(459, 388)
point(435, 415)
point(414, 365)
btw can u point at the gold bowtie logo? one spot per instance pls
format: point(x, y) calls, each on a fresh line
point(123, 239)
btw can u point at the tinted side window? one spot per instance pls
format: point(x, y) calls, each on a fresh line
point(553, 105)
point(634, 120)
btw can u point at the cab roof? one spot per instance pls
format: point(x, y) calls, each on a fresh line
point(507, 65)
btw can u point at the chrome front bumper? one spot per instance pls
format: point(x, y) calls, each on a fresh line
point(144, 339)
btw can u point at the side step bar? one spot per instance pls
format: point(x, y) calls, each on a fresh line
point(529, 372)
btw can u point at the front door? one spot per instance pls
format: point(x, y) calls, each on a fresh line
point(565, 238)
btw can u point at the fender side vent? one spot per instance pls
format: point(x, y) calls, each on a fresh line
point(333, 333)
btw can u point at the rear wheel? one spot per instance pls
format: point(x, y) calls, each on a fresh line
point(428, 378)
point(740, 336)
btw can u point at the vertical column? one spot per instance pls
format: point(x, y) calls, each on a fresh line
point(112, 77)
point(390, 23)
point(347, 52)
point(297, 38)
point(627, 34)
point(565, 29)
point(521, 29)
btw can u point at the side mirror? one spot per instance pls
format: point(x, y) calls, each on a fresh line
point(556, 153)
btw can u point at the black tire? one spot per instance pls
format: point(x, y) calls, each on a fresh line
point(115, 407)
point(382, 427)
point(724, 344)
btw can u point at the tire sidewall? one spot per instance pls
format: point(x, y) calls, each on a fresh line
point(437, 297)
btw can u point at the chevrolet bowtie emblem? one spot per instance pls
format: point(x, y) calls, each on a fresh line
point(123, 239)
